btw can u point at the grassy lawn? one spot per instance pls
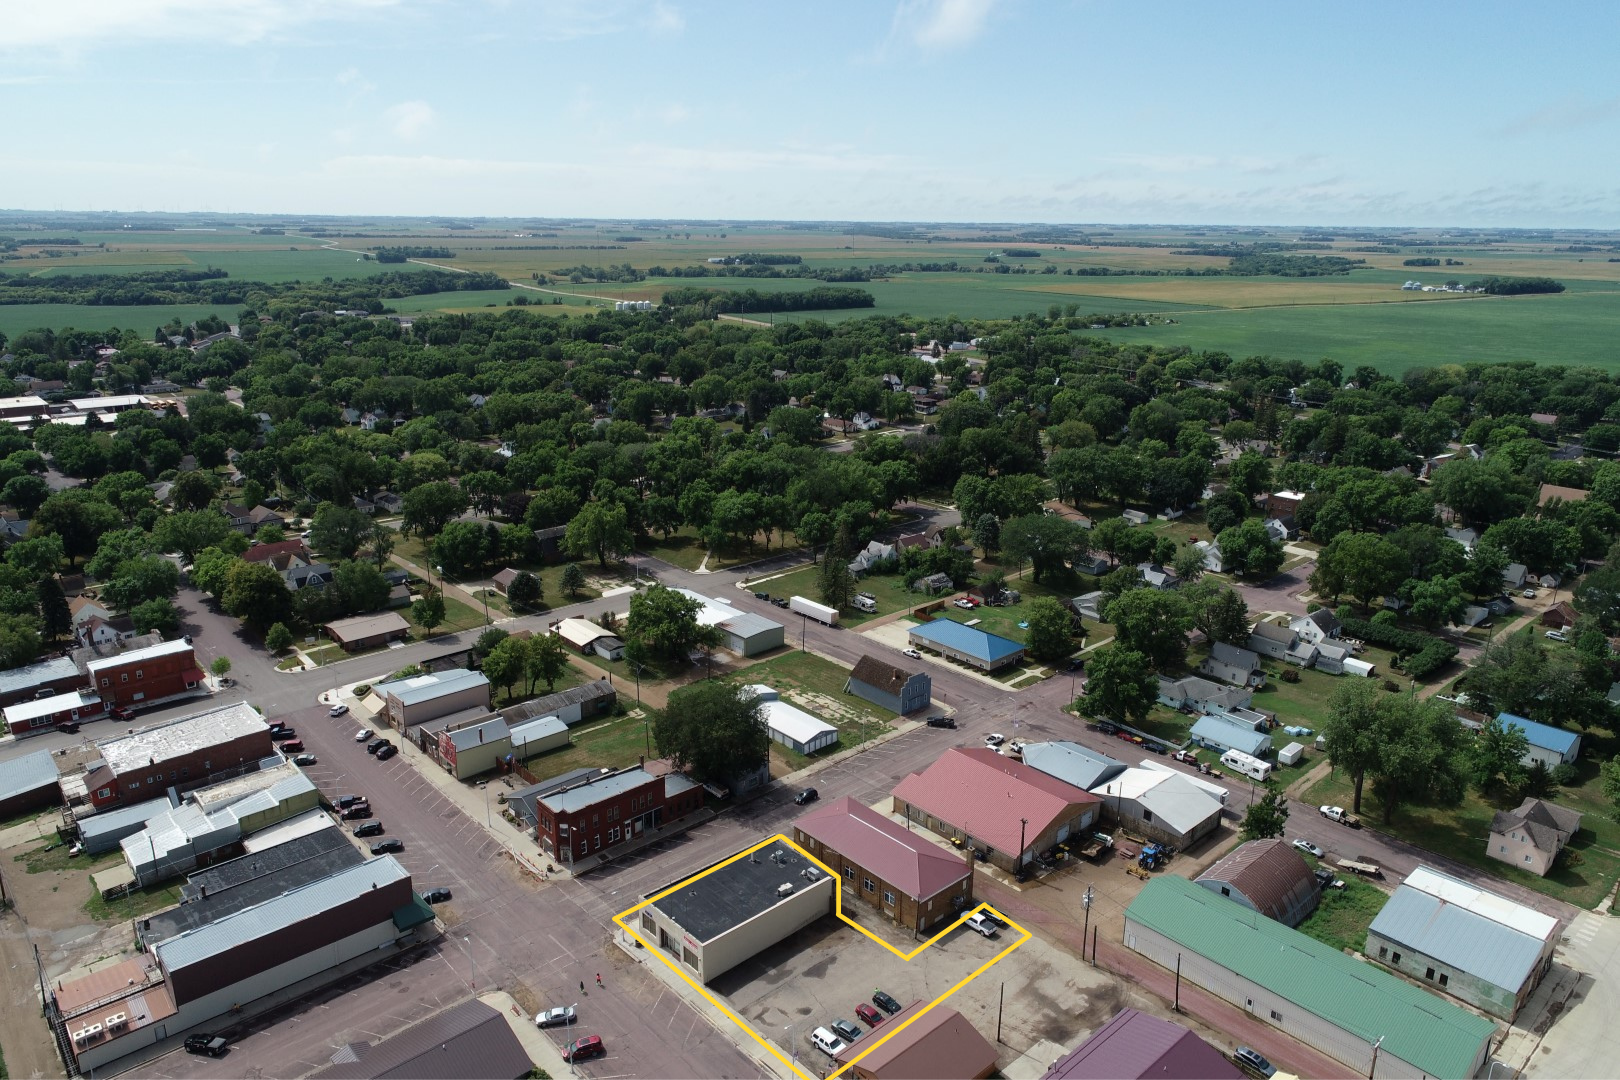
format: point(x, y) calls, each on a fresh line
point(138, 903)
point(817, 686)
point(570, 678)
point(457, 617)
point(1461, 832)
point(684, 549)
point(1167, 724)
point(1342, 917)
point(43, 861)
point(611, 743)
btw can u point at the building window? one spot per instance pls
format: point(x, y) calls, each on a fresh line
point(647, 922)
point(140, 673)
point(132, 783)
point(849, 873)
point(613, 835)
point(593, 819)
point(1527, 858)
point(1277, 1016)
point(1429, 974)
point(1444, 979)
point(1501, 849)
point(1147, 815)
point(124, 677)
point(888, 897)
point(207, 765)
point(1395, 958)
point(1383, 952)
point(1225, 891)
point(597, 841)
point(868, 884)
point(104, 681)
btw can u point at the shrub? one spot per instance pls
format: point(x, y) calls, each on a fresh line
point(362, 690)
point(1565, 775)
point(1391, 687)
point(1290, 675)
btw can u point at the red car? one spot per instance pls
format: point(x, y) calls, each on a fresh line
point(584, 1049)
point(870, 1016)
point(293, 746)
point(118, 712)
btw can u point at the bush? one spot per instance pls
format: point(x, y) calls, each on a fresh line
point(1565, 775)
point(1290, 675)
point(362, 689)
point(1391, 687)
point(1312, 606)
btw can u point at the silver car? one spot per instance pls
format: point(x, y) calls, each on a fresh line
point(561, 1015)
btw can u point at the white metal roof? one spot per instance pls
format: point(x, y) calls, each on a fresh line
point(26, 678)
point(492, 730)
point(274, 916)
point(717, 612)
point(794, 722)
point(182, 736)
point(135, 656)
point(126, 401)
point(310, 821)
point(419, 688)
point(580, 632)
point(47, 706)
point(26, 401)
point(1488, 905)
point(534, 730)
point(27, 773)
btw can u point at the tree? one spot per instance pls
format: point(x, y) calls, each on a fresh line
point(221, 666)
point(39, 556)
point(506, 663)
point(428, 507)
point(460, 548)
point(339, 531)
point(55, 617)
point(665, 623)
point(255, 593)
point(573, 579)
point(1362, 565)
point(1250, 473)
point(1050, 625)
point(381, 542)
point(1153, 622)
point(1267, 816)
point(1609, 778)
point(157, 615)
point(815, 528)
point(1496, 759)
point(987, 533)
point(1538, 543)
point(1436, 602)
point(428, 612)
point(278, 639)
point(1045, 541)
point(525, 591)
point(599, 529)
point(488, 640)
point(1188, 563)
point(19, 641)
point(189, 531)
point(1597, 597)
point(192, 490)
point(25, 494)
point(1248, 550)
point(210, 570)
point(1412, 749)
point(835, 584)
point(1218, 612)
point(150, 577)
point(713, 729)
point(358, 587)
point(78, 517)
point(1351, 731)
point(546, 660)
point(115, 548)
point(1120, 685)
point(1508, 676)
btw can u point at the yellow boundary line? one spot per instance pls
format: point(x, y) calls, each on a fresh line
point(838, 894)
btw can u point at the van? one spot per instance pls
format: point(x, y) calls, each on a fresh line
point(828, 1043)
point(1248, 765)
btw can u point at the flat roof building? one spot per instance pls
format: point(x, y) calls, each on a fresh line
point(601, 811)
point(183, 753)
point(745, 633)
point(59, 676)
point(902, 873)
point(474, 746)
point(715, 920)
point(966, 644)
point(43, 714)
point(147, 676)
point(420, 698)
point(368, 631)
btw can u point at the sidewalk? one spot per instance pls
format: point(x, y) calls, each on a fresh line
point(541, 1050)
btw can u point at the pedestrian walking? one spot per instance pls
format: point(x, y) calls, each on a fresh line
point(582, 986)
point(598, 978)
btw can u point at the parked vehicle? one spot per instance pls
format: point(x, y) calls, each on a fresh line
point(846, 1030)
point(779, 601)
point(885, 1002)
point(1251, 1061)
point(980, 924)
point(363, 734)
point(390, 846)
point(357, 812)
point(941, 721)
point(827, 1042)
point(1529, 594)
point(388, 750)
point(1187, 757)
point(375, 745)
point(370, 828)
point(584, 1049)
point(1556, 635)
point(440, 895)
point(118, 712)
point(994, 740)
point(562, 1014)
point(68, 727)
point(913, 653)
point(281, 732)
point(304, 759)
point(820, 612)
point(346, 801)
point(1248, 765)
point(1342, 816)
point(869, 1016)
point(1308, 848)
point(808, 795)
point(962, 602)
point(762, 596)
point(338, 710)
point(293, 746)
point(866, 602)
point(204, 1043)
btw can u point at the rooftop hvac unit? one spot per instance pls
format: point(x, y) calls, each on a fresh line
point(785, 889)
point(117, 1021)
point(811, 874)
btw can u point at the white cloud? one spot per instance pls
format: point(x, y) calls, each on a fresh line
point(410, 119)
point(568, 20)
point(666, 19)
point(943, 24)
point(67, 25)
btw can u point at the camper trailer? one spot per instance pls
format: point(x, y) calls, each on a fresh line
point(1247, 764)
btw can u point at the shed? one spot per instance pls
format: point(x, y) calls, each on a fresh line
point(796, 729)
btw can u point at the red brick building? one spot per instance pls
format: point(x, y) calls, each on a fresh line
point(182, 754)
point(145, 675)
point(592, 816)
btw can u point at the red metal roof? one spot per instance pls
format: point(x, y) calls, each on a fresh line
point(938, 1045)
point(1136, 1046)
point(898, 855)
point(986, 795)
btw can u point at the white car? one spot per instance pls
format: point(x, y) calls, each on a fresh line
point(995, 740)
point(363, 734)
point(1309, 848)
point(827, 1042)
point(913, 653)
point(1557, 635)
point(979, 923)
point(1016, 746)
point(561, 1015)
point(337, 710)
point(965, 605)
point(1529, 594)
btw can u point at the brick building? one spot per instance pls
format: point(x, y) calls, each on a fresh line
point(145, 675)
point(610, 808)
point(181, 754)
point(58, 676)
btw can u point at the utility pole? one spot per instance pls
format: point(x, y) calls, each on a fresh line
point(1371, 1068)
point(999, 1003)
point(1023, 826)
point(1085, 902)
point(1177, 1005)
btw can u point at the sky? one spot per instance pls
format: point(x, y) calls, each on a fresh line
point(1063, 111)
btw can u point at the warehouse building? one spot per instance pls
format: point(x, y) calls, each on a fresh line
point(29, 783)
point(1478, 947)
point(1267, 876)
point(572, 706)
point(1313, 992)
point(718, 918)
point(966, 644)
point(890, 687)
point(1163, 806)
point(48, 677)
point(102, 831)
point(184, 753)
point(420, 698)
point(902, 873)
point(790, 725)
point(1072, 763)
point(535, 737)
point(743, 632)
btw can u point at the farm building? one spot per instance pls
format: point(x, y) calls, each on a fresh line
point(745, 633)
point(890, 687)
point(1164, 806)
point(966, 644)
point(1267, 876)
point(1136, 1046)
point(1479, 947)
point(1313, 992)
point(791, 726)
point(1549, 745)
point(1220, 733)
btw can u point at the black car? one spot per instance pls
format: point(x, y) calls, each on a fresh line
point(346, 801)
point(762, 596)
point(281, 732)
point(780, 602)
point(375, 745)
point(941, 721)
point(70, 727)
point(204, 1043)
point(808, 795)
point(436, 896)
point(885, 1002)
point(370, 828)
point(389, 846)
point(386, 751)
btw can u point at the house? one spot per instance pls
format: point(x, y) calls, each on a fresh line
point(742, 632)
point(889, 687)
point(1281, 529)
point(590, 639)
point(1059, 508)
point(146, 675)
point(420, 698)
point(1087, 606)
point(283, 555)
point(43, 714)
point(875, 552)
point(938, 1043)
point(1003, 808)
point(966, 644)
point(906, 876)
point(182, 754)
point(1229, 663)
point(99, 631)
point(1267, 876)
point(1192, 694)
point(1545, 419)
point(1317, 626)
point(1094, 565)
point(1214, 562)
point(1466, 537)
point(610, 808)
point(1136, 1046)
point(1551, 746)
point(1163, 806)
point(249, 521)
point(1531, 836)
point(1550, 492)
point(1477, 946)
point(368, 631)
point(1313, 992)
point(388, 502)
point(1338, 659)
point(1560, 616)
point(789, 725)
point(1273, 640)
point(1515, 574)
point(1157, 577)
point(1222, 734)
point(83, 608)
point(463, 1042)
point(1280, 503)
point(503, 580)
point(933, 584)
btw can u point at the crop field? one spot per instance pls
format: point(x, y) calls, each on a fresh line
point(16, 318)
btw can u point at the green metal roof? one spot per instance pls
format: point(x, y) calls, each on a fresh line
point(413, 914)
point(1440, 1038)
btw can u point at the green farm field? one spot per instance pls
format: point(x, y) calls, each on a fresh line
point(16, 318)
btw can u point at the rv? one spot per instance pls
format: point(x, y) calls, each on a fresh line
point(1248, 765)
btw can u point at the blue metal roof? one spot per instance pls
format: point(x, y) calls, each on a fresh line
point(1487, 950)
point(979, 644)
point(1548, 738)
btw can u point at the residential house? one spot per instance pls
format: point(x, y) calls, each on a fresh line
point(549, 541)
point(1317, 626)
point(503, 580)
point(249, 521)
point(1466, 537)
point(888, 686)
point(1094, 565)
point(1531, 836)
point(1157, 577)
point(590, 639)
point(368, 631)
point(1214, 561)
point(1545, 419)
point(1088, 605)
point(1059, 508)
point(1561, 616)
point(1229, 663)
point(875, 552)
point(1267, 876)
point(933, 584)
point(1274, 640)
point(1550, 492)
point(1337, 658)
point(1135, 517)
point(1281, 529)
point(1515, 575)
point(1280, 503)
point(1551, 746)
point(1222, 733)
point(1192, 694)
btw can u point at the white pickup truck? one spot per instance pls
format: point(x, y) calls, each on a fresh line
point(1339, 814)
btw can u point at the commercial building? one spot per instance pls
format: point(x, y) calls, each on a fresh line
point(743, 632)
point(1474, 945)
point(184, 753)
point(525, 801)
point(890, 687)
point(966, 644)
point(590, 639)
point(475, 746)
point(368, 631)
point(1313, 992)
point(471, 1041)
point(29, 782)
point(146, 675)
point(1164, 806)
point(103, 831)
point(43, 714)
point(58, 676)
point(1136, 1046)
point(993, 804)
point(1531, 836)
point(535, 737)
point(1267, 876)
point(572, 706)
point(902, 873)
point(1222, 734)
point(718, 918)
point(420, 698)
point(1549, 745)
point(939, 1044)
point(1072, 763)
point(792, 726)
point(611, 808)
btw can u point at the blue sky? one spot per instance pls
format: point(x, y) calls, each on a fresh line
point(946, 110)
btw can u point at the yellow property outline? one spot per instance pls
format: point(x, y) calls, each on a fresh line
point(838, 894)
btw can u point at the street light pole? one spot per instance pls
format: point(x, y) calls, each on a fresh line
point(467, 941)
point(1085, 902)
point(1023, 825)
point(1371, 1068)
